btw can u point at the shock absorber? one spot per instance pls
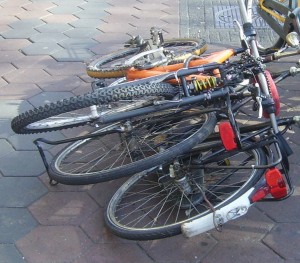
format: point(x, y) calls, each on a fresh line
point(197, 85)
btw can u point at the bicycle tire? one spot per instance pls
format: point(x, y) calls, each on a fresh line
point(274, 41)
point(162, 209)
point(101, 68)
point(152, 140)
point(46, 118)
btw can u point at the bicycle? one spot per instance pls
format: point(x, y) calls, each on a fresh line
point(142, 53)
point(205, 188)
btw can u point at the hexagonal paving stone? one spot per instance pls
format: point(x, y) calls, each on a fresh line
point(63, 208)
point(91, 13)
point(34, 13)
point(6, 68)
point(11, 108)
point(35, 62)
point(5, 129)
point(103, 192)
point(9, 56)
point(163, 250)
point(13, 44)
point(82, 33)
point(2, 82)
point(67, 243)
point(87, 23)
point(19, 91)
point(251, 227)
point(9, 253)
point(115, 253)
point(15, 223)
point(78, 43)
point(29, 163)
point(228, 252)
point(79, 55)
point(48, 97)
point(61, 19)
point(20, 192)
point(26, 24)
point(48, 37)
point(95, 228)
point(66, 83)
point(39, 5)
point(20, 144)
point(41, 48)
point(65, 9)
point(16, 3)
point(27, 76)
point(284, 239)
point(19, 33)
point(66, 68)
point(5, 147)
point(53, 28)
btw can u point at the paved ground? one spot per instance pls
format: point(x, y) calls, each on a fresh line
point(43, 45)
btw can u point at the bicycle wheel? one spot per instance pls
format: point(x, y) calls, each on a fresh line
point(128, 147)
point(75, 111)
point(271, 41)
point(113, 65)
point(152, 204)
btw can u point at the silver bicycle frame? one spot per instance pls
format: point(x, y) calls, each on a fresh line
point(246, 15)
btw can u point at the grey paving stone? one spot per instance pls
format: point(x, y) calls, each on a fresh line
point(228, 252)
point(12, 108)
point(19, 91)
point(66, 68)
point(86, 23)
point(41, 48)
point(5, 130)
point(284, 239)
point(5, 147)
point(78, 43)
point(15, 223)
point(20, 192)
point(26, 24)
point(9, 253)
point(48, 37)
point(67, 244)
point(79, 55)
point(53, 28)
point(82, 33)
point(66, 83)
point(19, 33)
point(48, 97)
point(65, 9)
point(91, 13)
point(22, 163)
point(12, 44)
point(25, 143)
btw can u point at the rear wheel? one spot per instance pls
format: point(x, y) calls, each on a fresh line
point(154, 204)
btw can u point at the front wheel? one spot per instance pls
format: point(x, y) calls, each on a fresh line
point(154, 204)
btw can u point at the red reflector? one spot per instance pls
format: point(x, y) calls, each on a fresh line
point(227, 136)
point(276, 183)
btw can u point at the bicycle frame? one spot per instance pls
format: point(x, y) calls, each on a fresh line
point(290, 16)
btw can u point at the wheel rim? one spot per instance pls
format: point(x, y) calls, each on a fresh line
point(146, 203)
point(128, 143)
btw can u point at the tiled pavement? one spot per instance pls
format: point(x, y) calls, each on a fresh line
point(43, 45)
